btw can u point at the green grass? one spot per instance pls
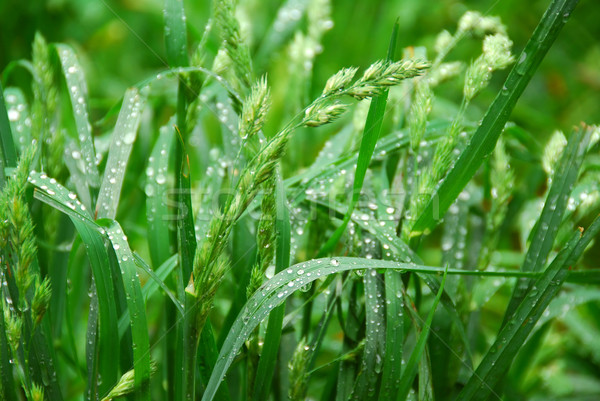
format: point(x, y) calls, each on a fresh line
point(240, 222)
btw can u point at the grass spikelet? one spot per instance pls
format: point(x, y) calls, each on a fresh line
point(382, 74)
point(298, 367)
point(41, 300)
point(552, 152)
point(126, 384)
point(265, 237)
point(339, 81)
point(254, 112)
point(419, 112)
point(17, 226)
point(235, 47)
point(317, 115)
point(496, 55)
point(13, 327)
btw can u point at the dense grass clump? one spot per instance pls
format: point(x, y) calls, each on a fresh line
point(230, 231)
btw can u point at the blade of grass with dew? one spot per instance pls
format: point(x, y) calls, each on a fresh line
point(351, 327)
point(365, 387)
point(77, 90)
point(483, 141)
point(9, 152)
point(369, 139)
point(394, 309)
point(57, 196)
point(92, 346)
point(394, 336)
point(159, 238)
point(282, 285)
point(137, 310)
point(186, 236)
point(511, 337)
point(157, 213)
point(268, 356)
point(177, 55)
point(208, 352)
point(175, 33)
point(410, 371)
point(19, 116)
point(546, 228)
point(121, 144)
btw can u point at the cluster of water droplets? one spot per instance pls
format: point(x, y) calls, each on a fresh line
point(18, 116)
point(61, 194)
point(120, 244)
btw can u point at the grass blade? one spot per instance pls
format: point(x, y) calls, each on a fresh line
point(366, 383)
point(517, 329)
point(19, 117)
point(57, 196)
point(546, 228)
point(411, 367)
point(157, 214)
point(483, 141)
point(123, 138)
point(268, 357)
point(394, 336)
point(137, 310)
point(175, 33)
point(9, 152)
point(77, 90)
point(369, 139)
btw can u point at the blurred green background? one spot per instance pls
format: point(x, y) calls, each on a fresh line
point(121, 43)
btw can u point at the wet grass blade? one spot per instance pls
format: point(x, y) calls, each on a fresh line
point(9, 152)
point(412, 365)
point(282, 285)
point(57, 196)
point(369, 139)
point(175, 33)
point(136, 308)
point(484, 140)
point(545, 231)
point(366, 383)
point(268, 357)
point(121, 144)
point(510, 339)
point(19, 117)
point(77, 91)
point(394, 336)
point(157, 213)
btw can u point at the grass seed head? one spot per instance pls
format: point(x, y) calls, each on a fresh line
point(255, 109)
point(41, 300)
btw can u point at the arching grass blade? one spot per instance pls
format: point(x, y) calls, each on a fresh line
point(123, 138)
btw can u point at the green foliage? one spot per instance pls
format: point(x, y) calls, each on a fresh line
point(208, 233)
